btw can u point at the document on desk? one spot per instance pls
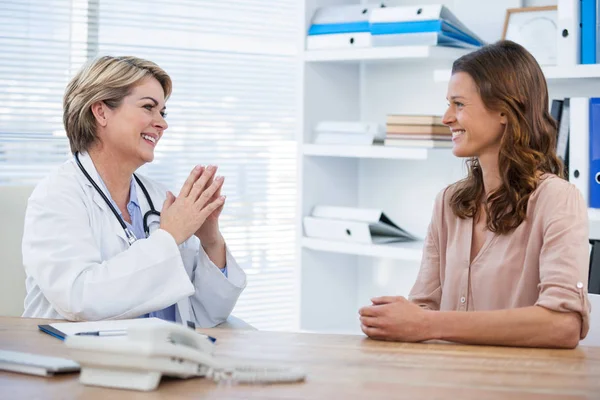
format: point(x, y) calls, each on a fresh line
point(61, 330)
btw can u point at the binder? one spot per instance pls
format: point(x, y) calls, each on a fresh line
point(415, 14)
point(562, 142)
point(346, 132)
point(421, 39)
point(338, 41)
point(568, 46)
point(441, 27)
point(588, 31)
point(579, 136)
point(594, 162)
point(344, 26)
point(597, 32)
point(356, 225)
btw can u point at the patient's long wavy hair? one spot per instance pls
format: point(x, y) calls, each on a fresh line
point(509, 81)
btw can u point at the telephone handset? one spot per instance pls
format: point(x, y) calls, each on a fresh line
point(138, 360)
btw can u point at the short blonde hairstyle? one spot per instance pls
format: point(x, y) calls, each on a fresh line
point(107, 79)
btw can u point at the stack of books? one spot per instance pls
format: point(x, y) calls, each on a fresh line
point(417, 131)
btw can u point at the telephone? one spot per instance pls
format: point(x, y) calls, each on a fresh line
point(139, 359)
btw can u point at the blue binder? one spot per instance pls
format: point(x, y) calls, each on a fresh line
point(588, 31)
point(439, 26)
point(594, 176)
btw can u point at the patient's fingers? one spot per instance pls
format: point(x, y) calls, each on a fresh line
point(386, 299)
point(374, 333)
point(370, 311)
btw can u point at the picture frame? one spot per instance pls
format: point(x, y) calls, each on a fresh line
point(534, 28)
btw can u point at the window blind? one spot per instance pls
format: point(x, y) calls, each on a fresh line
point(234, 70)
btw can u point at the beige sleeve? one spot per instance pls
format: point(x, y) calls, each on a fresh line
point(564, 257)
point(427, 290)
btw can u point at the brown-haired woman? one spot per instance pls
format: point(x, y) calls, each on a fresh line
point(509, 243)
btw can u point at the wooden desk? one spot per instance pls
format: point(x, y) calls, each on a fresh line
point(339, 367)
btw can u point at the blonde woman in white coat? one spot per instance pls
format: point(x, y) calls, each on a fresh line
point(91, 248)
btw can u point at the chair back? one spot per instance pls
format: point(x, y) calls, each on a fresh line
point(13, 203)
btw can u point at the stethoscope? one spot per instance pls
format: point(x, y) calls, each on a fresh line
point(130, 235)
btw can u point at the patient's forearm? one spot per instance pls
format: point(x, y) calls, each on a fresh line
point(528, 326)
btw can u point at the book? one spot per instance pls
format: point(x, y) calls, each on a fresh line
point(420, 136)
point(398, 119)
point(417, 143)
point(419, 129)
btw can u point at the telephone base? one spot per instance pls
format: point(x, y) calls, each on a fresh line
point(120, 378)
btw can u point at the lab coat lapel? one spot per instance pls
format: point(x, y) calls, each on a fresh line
point(88, 164)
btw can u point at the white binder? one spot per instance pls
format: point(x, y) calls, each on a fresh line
point(346, 132)
point(338, 41)
point(340, 17)
point(343, 14)
point(579, 150)
point(568, 41)
point(358, 225)
point(418, 39)
point(419, 13)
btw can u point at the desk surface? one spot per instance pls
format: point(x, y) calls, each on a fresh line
point(339, 367)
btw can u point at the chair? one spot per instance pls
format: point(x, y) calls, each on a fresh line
point(13, 203)
point(593, 336)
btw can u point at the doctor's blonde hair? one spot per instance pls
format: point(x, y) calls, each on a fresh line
point(107, 79)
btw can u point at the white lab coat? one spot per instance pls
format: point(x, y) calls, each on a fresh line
point(80, 266)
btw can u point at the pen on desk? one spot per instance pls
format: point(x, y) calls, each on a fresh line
point(116, 332)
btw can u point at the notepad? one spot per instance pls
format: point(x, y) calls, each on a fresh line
point(60, 330)
point(34, 364)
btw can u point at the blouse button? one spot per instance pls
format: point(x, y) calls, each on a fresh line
point(579, 285)
point(462, 300)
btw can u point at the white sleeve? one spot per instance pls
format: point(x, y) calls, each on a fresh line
point(62, 255)
point(215, 294)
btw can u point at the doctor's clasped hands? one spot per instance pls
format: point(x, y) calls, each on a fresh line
point(191, 211)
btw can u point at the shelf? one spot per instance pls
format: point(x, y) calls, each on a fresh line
point(374, 151)
point(409, 251)
point(378, 54)
point(588, 71)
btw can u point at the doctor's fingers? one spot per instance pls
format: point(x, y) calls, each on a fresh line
point(202, 183)
point(210, 208)
point(209, 193)
point(191, 179)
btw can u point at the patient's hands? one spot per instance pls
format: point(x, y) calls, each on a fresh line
point(395, 318)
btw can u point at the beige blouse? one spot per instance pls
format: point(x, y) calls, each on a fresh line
point(544, 261)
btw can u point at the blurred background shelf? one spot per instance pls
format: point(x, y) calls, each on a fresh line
point(408, 251)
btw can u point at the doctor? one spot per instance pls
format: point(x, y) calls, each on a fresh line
point(94, 246)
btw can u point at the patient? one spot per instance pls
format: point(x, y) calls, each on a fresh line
point(509, 243)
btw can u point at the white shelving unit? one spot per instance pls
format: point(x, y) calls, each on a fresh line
point(409, 251)
point(383, 54)
point(377, 152)
point(576, 72)
point(337, 278)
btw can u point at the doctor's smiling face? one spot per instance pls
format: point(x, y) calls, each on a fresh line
point(476, 131)
point(131, 130)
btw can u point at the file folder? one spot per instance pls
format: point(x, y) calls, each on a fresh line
point(594, 162)
point(343, 26)
point(419, 15)
point(338, 41)
point(357, 225)
point(579, 137)
point(568, 46)
point(588, 31)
